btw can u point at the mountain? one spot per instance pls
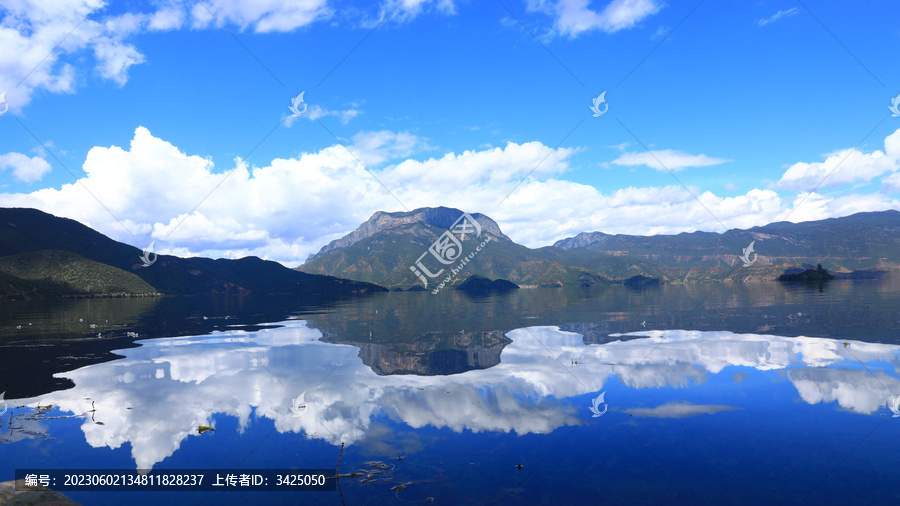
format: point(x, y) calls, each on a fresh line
point(24, 231)
point(383, 248)
point(440, 217)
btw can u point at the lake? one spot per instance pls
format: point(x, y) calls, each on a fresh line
point(713, 393)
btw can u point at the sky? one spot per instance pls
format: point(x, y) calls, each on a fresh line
point(170, 122)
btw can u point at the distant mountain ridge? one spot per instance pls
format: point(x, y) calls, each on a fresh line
point(864, 245)
point(859, 241)
point(29, 231)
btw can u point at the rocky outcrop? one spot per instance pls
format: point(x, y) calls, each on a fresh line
point(583, 240)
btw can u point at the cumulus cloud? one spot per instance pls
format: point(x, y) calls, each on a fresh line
point(670, 159)
point(23, 168)
point(288, 208)
point(573, 17)
point(846, 166)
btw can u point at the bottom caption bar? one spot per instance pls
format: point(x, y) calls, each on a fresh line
point(300, 480)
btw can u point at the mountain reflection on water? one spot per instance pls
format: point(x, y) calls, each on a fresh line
point(159, 393)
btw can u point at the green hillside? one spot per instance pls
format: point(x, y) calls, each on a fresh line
point(53, 272)
point(12, 287)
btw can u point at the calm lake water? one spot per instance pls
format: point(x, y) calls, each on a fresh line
point(719, 393)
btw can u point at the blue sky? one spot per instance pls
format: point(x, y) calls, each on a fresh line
point(133, 122)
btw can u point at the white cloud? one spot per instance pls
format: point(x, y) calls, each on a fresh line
point(670, 159)
point(477, 171)
point(846, 166)
point(315, 112)
point(373, 148)
point(778, 15)
point(168, 18)
point(575, 16)
point(662, 31)
point(31, 30)
point(24, 168)
point(402, 11)
point(115, 59)
point(261, 16)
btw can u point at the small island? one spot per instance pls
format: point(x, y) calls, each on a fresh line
point(816, 275)
point(640, 281)
point(481, 284)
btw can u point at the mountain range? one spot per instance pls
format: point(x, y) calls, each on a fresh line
point(44, 255)
point(382, 250)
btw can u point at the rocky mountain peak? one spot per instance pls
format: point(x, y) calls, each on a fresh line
point(440, 217)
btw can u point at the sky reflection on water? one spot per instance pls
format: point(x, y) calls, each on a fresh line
point(158, 395)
